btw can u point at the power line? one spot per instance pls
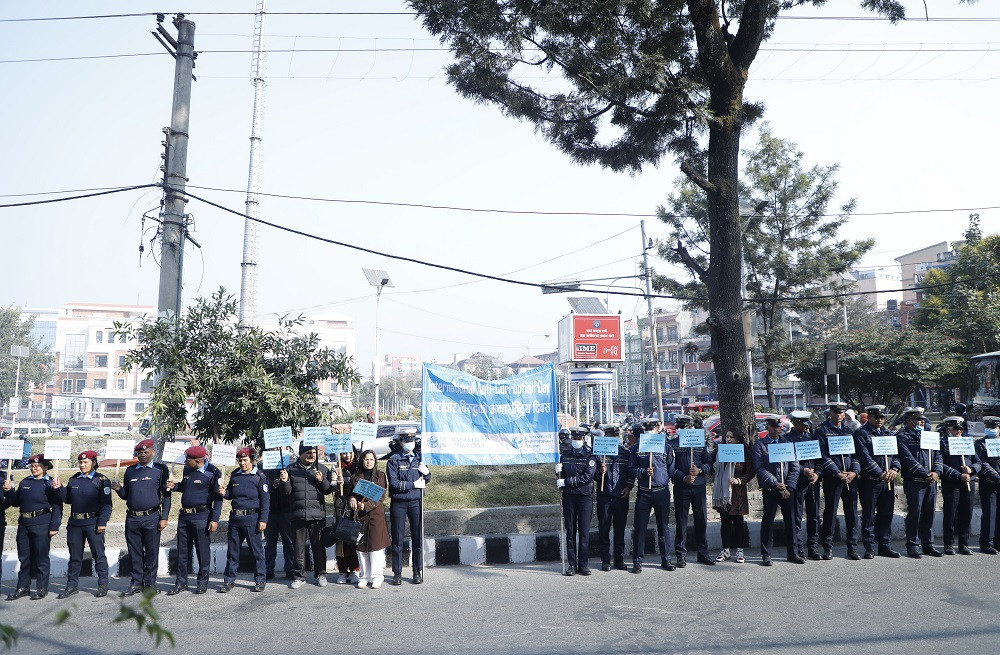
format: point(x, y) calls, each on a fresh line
point(78, 197)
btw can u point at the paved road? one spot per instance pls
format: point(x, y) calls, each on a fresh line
point(822, 607)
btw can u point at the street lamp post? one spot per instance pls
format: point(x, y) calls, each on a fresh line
point(18, 353)
point(380, 280)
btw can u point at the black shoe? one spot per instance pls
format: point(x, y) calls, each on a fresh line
point(67, 592)
point(707, 561)
point(259, 587)
point(225, 588)
point(621, 566)
point(269, 576)
point(569, 572)
point(418, 577)
point(19, 593)
point(605, 567)
point(131, 591)
point(949, 550)
point(177, 589)
point(681, 562)
point(636, 568)
point(801, 554)
point(988, 550)
point(869, 554)
point(397, 579)
point(933, 552)
point(797, 559)
point(827, 554)
point(914, 553)
point(766, 561)
point(886, 551)
point(668, 565)
point(102, 591)
point(584, 571)
point(853, 555)
point(202, 588)
point(964, 550)
point(40, 594)
point(814, 555)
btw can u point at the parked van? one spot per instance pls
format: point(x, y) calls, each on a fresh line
point(23, 430)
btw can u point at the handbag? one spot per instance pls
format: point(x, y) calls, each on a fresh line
point(348, 529)
point(329, 536)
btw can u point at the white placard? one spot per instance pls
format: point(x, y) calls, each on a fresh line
point(315, 436)
point(993, 447)
point(961, 446)
point(11, 449)
point(173, 453)
point(120, 449)
point(885, 446)
point(977, 429)
point(224, 454)
point(57, 449)
point(363, 431)
point(930, 440)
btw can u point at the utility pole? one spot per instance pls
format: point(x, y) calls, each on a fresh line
point(173, 220)
point(652, 324)
point(248, 282)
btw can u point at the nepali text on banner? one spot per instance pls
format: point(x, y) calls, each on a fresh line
point(468, 421)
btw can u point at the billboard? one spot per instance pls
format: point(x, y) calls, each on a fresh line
point(590, 338)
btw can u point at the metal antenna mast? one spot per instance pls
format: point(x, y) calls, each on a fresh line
point(248, 283)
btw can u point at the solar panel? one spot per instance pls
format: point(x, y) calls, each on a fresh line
point(587, 305)
point(375, 277)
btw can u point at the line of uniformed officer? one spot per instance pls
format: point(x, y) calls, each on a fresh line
point(840, 474)
point(199, 516)
point(878, 473)
point(807, 488)
point(989, 489)
point(777, 481)
point(958, 483)
point(407, 477)
point(575, 470)
point(921, 469)
point(691, 465)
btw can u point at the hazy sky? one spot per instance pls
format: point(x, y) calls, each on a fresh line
point(907, 110)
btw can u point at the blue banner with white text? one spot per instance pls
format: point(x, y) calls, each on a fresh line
point(467, 421)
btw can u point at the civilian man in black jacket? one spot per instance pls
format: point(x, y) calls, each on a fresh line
point(304, 484)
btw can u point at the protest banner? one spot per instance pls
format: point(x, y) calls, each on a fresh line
point(278, 437)
point(119, 449)
point(806, 450)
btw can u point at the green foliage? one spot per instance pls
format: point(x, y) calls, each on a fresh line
point(880, 365)
point(146, 618)
point(35, 369)
point(243, 381)
point(8, 636)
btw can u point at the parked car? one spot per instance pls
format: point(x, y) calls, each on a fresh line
point(387, 438)
point(24, 430)
point(91, 431)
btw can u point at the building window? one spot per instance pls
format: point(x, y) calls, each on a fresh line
point(67, 386)
point(121, 361)
point(659, 335)
point(671, 334)
point(75, 351)
point(120, 383)
point(81, 384)
point(145, 386)
point(121, 338)
point(99, 336)
point(673, 359)
point(691, 357)
point(139, 407)
point(100, 384)
point(100, 361)
point(111, 336)
point(675, 382)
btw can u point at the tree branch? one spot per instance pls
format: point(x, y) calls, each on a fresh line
point(695, 176)
point(690, 261)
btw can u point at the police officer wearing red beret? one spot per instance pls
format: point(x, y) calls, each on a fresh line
point(201, 505)
point(249, 492)
point(89, 496)
point(144, 491)
point(39, 519)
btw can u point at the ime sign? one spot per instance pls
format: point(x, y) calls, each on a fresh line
point(590, 338)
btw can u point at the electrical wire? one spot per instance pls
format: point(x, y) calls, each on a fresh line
point(77, 197)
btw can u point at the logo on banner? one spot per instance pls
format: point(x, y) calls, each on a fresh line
point(433, 441)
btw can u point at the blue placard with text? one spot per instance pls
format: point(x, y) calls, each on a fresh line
point(338, 443)
point(278, 437)
point(993, 447)
point(780, 452)
point(369, 490)
point(807, 450)
point(315, 436)
point(730, 452)
point(840, 445)
point(606, 445)
point(273, 459)
point(691, 438)
point(652, 442)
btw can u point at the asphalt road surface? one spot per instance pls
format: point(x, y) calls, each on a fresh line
point(840, 606)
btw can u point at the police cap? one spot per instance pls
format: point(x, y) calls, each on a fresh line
point(407, 434)
point(874, 411)
point(916, 412)
point(87, 454)
point(991, 421)
point(772, 420)
point(144, 444)
point(953, 422)
point(245, 452)
point(196, 452)
point(40, 459)
point(837, 406)
point(801, 415)
point(612, 430)
point(681, 420)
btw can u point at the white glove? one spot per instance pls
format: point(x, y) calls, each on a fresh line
point(419, 484)
point(560, 483)
point(558, 468)
point(423, 469)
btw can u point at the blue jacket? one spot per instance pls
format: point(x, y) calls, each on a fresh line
point(401, 472)
point(249, 491)
point(815, 464)
point(201, 489)
point(87, 495)
point(769, 474)
point(618, 481)
point(145, 488)
point(834, 465)
point(663, 468)
point(913, 459)
point(989, 467)
point(682, 463)
point(951, 465)
point(873, 466)
point(34, 495)
point(579, 467)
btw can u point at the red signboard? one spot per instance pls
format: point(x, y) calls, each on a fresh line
point(597, 338)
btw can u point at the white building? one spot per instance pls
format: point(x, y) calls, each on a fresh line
point(336, 332)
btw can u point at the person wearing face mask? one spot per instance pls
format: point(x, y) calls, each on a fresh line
point(777, 482)
point(407, 477)
point(878, 473)
point(840, 474)
point(612, 502)
point(958, 483)
point(251, 504)
point(921, 469)
point(807, 488)
point(652, 475)
point(89, 496)
point(576, 468)
point(989, 488)
point(39, 519)
point(374, 533)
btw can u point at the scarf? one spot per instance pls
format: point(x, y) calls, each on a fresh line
point(722, 491)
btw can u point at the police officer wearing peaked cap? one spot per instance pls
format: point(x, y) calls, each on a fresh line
point(989, 488)
point(920, 469)
point(652, 481)
point(250, 495)
point(614, 485)
point(407, 477)
point(576, 468)
point(691, 466)
point(807, 488)
point(958, 484)
point(839, 475)
point(144, 490)
point(38, 521)
point(877, 475)
point(777, 481)
point(89, 495)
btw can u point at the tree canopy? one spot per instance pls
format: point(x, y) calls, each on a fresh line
point(36, 368)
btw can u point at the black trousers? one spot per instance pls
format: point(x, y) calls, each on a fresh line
point(957, 512)
point(142, 538)
point(772, 502)
point(279, 528)
point(193, 531)
point(241, 529)
point(989, 527)
point(836, 490)
point(920, 499)
point(657, 501)
point(76, 535)
point(33, 554)
point(733, 530)
point(577, 512)
point(693, 499)
point(308, 533)
point(401, 511)
point(807, 505)
point(612, 514)
point(877, 505)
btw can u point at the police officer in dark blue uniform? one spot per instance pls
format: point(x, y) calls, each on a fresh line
point(807, 488)
point(39, 519)
point(921, 469)
point(958, 485)
point(840, 473)
point(652, 473)
point(201, 506)
point(878, 473)
point(690, 468)
point(407, 477)
point(778, 481)
point(144, 491)
point(614, 485)
point(989, 488)
point(89, 496)
point(576, 469)
point(250, 495)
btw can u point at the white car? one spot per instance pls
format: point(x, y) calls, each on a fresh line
point(387, 438)
point(87, 431)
